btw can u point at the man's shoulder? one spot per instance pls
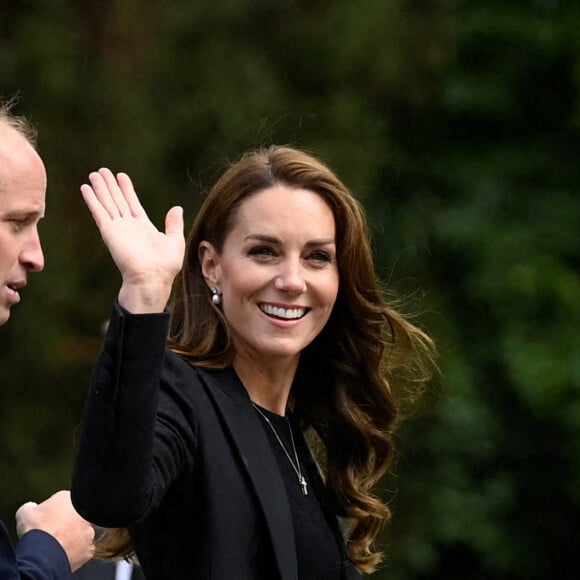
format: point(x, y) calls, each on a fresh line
point(8, 566)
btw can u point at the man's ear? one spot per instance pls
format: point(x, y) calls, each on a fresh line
point(209, 259)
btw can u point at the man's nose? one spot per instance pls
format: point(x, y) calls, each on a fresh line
point(32, 256)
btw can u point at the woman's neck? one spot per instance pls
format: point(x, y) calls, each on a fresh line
point(268, 386)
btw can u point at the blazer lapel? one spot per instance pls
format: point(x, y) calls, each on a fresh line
point(227, 391)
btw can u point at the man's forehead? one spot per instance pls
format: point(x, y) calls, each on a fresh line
point(21, 206)
point(21, 168)
point(11, 144)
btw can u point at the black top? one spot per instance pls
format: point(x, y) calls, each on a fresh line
point(317, 550)
point(101, 570)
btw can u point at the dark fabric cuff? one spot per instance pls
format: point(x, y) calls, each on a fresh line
point(40, 556)
point(140, 332)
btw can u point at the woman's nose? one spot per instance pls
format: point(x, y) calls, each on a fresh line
point(290, 278)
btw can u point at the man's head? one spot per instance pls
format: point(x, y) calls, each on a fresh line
point(22, 203)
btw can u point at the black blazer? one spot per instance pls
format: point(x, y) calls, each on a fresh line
point(178, 455)
point(100, 570)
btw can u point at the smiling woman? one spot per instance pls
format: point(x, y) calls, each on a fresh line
point(278, 278)
point(279, 339)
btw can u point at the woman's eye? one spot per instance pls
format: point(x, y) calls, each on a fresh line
point(261, 251)
point(321, 256)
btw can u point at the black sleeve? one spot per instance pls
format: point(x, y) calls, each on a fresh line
point(129, 450)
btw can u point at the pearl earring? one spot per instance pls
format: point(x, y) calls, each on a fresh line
point(215, 297)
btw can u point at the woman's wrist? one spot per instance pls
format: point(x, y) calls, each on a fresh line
point(144, 298)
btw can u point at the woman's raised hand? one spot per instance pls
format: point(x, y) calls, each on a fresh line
point(149, 260)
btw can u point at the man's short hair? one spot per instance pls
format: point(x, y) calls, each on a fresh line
point(18, 122)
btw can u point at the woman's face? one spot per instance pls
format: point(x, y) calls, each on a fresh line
point(277, 273)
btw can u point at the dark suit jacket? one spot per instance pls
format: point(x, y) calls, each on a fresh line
point(37, 556)
point(179, 455)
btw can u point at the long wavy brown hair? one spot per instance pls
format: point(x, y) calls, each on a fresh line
point(346, 386)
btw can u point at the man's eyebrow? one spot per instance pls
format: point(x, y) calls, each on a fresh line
point(24, 213)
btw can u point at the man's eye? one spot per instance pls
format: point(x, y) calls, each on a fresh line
point(18, 224)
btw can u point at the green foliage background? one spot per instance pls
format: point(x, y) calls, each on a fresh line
point(458, 124)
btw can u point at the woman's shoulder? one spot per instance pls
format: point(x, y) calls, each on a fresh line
point(181, 374)
point(177, 369)
point(200, 381)
point(181, 363)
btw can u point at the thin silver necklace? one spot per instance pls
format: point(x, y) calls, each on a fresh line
point(301, 479)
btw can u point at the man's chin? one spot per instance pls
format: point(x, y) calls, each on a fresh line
point(4, 315)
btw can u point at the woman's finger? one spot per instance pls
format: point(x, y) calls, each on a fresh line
point(130, 196)
point(103, 195)
point(114, 192)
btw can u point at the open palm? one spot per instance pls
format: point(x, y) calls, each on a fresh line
point(148, 259)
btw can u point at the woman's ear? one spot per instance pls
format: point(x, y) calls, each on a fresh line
point(209, 259)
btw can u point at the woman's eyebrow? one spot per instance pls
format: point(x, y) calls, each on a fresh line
point(275, 240)
point(321, 242)
point(263, 238)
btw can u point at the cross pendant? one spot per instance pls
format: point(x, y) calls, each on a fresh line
point(303, 485)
